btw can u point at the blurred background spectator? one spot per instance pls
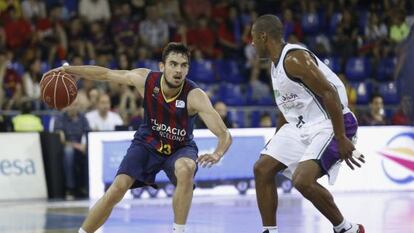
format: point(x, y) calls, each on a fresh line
point(73, 127)
point(376, 113)
point(26, 121)
point(103, 119)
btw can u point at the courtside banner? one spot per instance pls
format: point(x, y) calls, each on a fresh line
point(21, 166)
point(389, 152)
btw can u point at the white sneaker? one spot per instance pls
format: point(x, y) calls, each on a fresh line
point(355, 228)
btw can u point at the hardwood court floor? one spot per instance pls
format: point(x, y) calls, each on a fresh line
point(391, 212)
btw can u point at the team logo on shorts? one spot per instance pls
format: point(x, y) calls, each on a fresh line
point(179, 104)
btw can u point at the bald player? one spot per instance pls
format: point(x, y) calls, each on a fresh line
point(315, 131)
point(164, 140)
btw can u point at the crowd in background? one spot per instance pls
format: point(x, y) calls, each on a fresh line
point(36, 36)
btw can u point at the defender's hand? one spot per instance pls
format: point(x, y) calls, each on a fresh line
point(207, 160)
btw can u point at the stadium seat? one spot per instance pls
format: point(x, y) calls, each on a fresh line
point(385, 69)
point(363, 17)
point(389, 92)
point(238, 117)
point(229, 71)
point(255, 118)
point(202, 71)
point(232, 94)
point(357, 69)
point(335, 20)
point(333, 64)
point(310, 23)
point(363, 90)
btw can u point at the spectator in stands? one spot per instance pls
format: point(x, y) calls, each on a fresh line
point(265, 120)
point(404, 115)
point(376, 113)
point(221, 108)
point(124, 30)
point(10, 82)
point(100, 40)
point(77, 40)
point(229, 35)
point(18, 31)
point(26, 121)
point(5, 4)
point(194, 9)
point(170, 12)
point(103, 119)
point(345, 38)
point(290, 26)
point(31, 79)
point(33, 9)
point(205, 38)
point(5, 124)
point(153, 31)
point(375, 29)
point(51, 35)
point(73, 126)
point(94, 10)
point(399, 29)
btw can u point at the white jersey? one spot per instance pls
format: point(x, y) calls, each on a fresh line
point(299, 105)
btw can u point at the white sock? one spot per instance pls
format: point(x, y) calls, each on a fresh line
point(82, 231)
point(271, 229)
point(177, 228)
point(343, 225)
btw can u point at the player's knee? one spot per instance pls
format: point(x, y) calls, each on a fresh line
point(184, 170)
point(302, 184)
point(115, 194)
point(118, 189)
point(261, 169)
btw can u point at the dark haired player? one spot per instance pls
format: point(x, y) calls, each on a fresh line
point(315, 131)
point(164, 141)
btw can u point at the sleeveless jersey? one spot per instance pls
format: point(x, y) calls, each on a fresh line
point(167, 125)
point(298, 104)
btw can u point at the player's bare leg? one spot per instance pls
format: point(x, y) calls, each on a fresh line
point(305, 181)
point(103, 207)
point(265, 170)
point(184, 172)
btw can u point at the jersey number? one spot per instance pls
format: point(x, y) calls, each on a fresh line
point(165, 149)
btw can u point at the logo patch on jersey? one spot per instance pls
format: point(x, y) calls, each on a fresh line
point(179, 104)
point(155, 91)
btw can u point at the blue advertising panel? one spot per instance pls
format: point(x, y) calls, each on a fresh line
point(236, 164)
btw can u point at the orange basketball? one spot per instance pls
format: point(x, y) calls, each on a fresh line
point(58, 89)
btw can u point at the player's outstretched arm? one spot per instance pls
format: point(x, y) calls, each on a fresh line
point(199, 103)
point(301, 65)
point(134, 77)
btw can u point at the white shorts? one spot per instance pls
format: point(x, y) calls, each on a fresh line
point(292, 145)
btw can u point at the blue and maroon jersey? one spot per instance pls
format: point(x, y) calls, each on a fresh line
point(167, 125)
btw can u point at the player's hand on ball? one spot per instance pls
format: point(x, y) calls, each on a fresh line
point(349, 154)
point(207, 160)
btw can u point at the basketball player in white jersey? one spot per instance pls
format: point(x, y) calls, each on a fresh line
point(315, 130)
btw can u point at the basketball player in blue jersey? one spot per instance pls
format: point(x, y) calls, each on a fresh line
point(164, 140)
point(315, 131)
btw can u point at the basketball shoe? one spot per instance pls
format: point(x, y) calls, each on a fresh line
point(355, 228)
